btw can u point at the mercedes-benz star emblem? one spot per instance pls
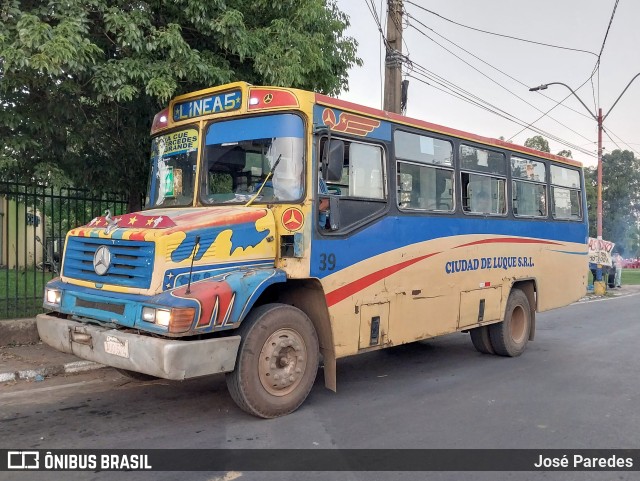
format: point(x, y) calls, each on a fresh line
point(102, 260)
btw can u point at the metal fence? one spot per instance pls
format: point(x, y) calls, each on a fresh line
point(34, 221)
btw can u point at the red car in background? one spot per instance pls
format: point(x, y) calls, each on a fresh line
point(631, 263)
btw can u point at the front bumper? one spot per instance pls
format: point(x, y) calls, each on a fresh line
point(165, 358)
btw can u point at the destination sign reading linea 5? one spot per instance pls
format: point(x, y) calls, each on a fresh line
point(213, 104)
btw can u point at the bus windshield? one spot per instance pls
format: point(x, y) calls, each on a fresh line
point(173, 167)
point(240, 154)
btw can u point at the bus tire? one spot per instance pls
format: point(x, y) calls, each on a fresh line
point(277, 361)
point(509, 337)
point(136, 376)
point(481, 341)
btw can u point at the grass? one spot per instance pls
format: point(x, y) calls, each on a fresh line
point(21, 292)
point(629, 277)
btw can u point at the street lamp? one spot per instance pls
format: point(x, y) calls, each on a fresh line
point(600, 119)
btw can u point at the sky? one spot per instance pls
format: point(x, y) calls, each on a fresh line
point(576, 24)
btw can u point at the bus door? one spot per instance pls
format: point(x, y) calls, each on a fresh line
point(350, 238)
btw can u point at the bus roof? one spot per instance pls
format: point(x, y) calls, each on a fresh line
point(401, 119)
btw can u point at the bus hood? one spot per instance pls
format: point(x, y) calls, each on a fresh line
point(148, 225)
point(168, 240)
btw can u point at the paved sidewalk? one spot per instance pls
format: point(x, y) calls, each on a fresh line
point(36, 362)
point(612, 292)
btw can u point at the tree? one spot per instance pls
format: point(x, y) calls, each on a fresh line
point(537, 142)
point(81, 80)
point(565, 153)
point(620, 199)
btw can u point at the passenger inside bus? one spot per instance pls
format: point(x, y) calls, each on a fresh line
point(323, 205)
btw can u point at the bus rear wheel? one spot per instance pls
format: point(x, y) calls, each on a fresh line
point(509, 337)
point(277, 361)
point(481, 341)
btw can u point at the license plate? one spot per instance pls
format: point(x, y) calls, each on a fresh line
point(117, 347)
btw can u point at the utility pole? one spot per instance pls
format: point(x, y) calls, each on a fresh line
point(599, 207)
point(599, 284)
point(393, 58)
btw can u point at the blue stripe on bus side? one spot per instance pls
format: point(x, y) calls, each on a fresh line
point(394, 232)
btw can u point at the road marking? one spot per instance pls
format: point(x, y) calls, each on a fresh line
point(230, 476)
point(81, 366)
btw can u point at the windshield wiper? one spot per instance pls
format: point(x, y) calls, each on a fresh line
point(273, 169)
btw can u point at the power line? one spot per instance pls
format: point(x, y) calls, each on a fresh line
point(506, 116)
point(499, 34)
point(557, 103)
point(466, 96)
point(547, 112)
point(596, 68)
point(479, 102)
point(494, 67)
point(615, 143)
point(615, 6)
point(597, 65)
point(487, 76)
point(623, 142)
point(374, 13)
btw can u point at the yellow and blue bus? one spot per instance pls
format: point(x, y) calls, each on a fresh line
point(283, 227)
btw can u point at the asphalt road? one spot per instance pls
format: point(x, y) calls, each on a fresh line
point(576, 386)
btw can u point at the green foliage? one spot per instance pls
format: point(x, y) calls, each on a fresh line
point(620, 201)
point(21, 292)
point(565, 153)
point(81, 80)
point(537, 142)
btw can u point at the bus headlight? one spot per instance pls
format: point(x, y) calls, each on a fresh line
point(52, 296)
point(148, 314)
point(176, 319)
point(163, 317)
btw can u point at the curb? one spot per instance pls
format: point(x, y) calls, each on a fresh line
point(18, 331)
point(48, 371)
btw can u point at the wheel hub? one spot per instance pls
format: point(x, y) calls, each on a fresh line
point(283, 360)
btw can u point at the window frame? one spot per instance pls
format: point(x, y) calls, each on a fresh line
point(196, 180)
point(546, 198)
point(205, 126)
point(383, 162)
point(507, 164)
point(544, 182)
point(579, 191)
point(435, 167)
point(345, 200)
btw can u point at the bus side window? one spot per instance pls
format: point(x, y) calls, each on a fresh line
point(482, 194)
point(365, 171)
point(565, 193)
point(359, 190)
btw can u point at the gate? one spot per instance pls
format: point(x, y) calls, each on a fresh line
point(34, 221)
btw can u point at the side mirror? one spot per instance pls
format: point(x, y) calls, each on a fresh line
point(334, 160)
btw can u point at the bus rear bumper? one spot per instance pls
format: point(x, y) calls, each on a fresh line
point(164, 358)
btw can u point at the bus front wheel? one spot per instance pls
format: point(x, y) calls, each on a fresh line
point(277, 361)
point(509, 337)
